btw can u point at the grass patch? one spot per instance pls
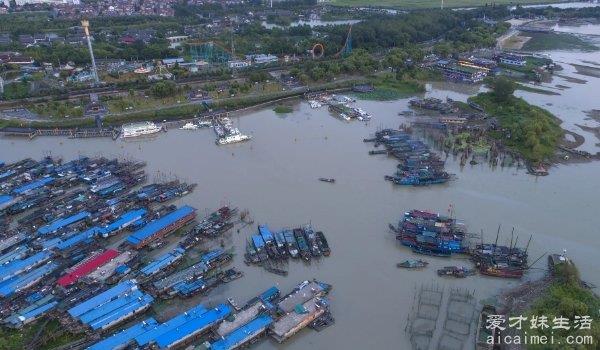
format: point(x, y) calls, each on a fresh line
point(530, 130)
point(557, 41)
point(419, 4)
point(388, 88)
point(527, 88)
point(567, 298)
point(282, 109)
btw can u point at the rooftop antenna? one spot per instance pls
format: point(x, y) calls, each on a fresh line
point(86, 27)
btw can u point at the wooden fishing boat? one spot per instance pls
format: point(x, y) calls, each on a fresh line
point(330, 180)
point(413, 264)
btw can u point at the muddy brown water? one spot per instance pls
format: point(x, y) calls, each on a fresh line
point(275, 175)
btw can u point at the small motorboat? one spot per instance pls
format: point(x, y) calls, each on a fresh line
point(324, 179)
point(413, 264)
point(189, 126)
point(455, 271)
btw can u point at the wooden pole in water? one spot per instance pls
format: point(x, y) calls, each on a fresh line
point(511, 240)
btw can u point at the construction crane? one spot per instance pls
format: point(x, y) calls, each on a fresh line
point(86, 27)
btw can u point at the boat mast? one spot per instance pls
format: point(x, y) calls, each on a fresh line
point(497, 234)
point(527, 247)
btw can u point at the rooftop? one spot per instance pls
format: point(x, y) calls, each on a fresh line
point(155, 226)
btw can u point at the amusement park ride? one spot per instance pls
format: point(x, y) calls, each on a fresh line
point(318, 50)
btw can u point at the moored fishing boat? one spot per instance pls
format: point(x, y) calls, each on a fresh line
point(302, 245)
point(413, 264)
point(311, 239)
point(501, 270)
point(323, 244)
point(291, 244)
point(455, 271)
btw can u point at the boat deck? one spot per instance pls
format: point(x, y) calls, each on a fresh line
point(300, 296)
point(241, 318)
point(105, 271)
point(292, 322)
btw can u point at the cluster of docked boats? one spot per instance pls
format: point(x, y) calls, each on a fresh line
point(212, 226)
point(303, 242)
point(500, 261)
point(227, 133)
point(431, 234)
point(418, 165)
point(437, 235)
point(347, 113)
point(434, 104)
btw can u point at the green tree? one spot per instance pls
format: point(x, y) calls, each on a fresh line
point(503, 89)
point(163, 89)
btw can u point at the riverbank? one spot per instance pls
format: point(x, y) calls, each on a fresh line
point(561, 293)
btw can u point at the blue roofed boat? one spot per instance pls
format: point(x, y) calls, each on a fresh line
point(150, 337)
point(63, 222)
point(162, 226)
point(265, 233)
point(123, 222)
point(193, 327)
point(33, 185)
point(120, 340)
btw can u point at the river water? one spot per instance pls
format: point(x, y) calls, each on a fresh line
point(274, 176)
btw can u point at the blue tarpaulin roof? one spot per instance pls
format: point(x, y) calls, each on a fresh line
point(63, 222)
point(243, 334)
point(77, 238)
point(270, 293)
point(265, 233)
point(5, 198)
point(121, 313)
point(7, 174)
point(33, 185)
point(154, 226)
point(123, 221)
point(102, 298)
point(162, 261)
point(16, 283)
point(120, 339)
point(210, 256)
point(193, 326)
point(258, 241)
point(17, 266)
point(151, 336)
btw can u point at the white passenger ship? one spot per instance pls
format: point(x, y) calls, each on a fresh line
point(139, 129)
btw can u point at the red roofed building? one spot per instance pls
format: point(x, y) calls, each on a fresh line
point(85, 268)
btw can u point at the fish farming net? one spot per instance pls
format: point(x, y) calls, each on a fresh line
point(441, 319)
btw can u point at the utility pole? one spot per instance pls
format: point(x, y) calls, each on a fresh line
point(442, 6)
point(86, 27)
